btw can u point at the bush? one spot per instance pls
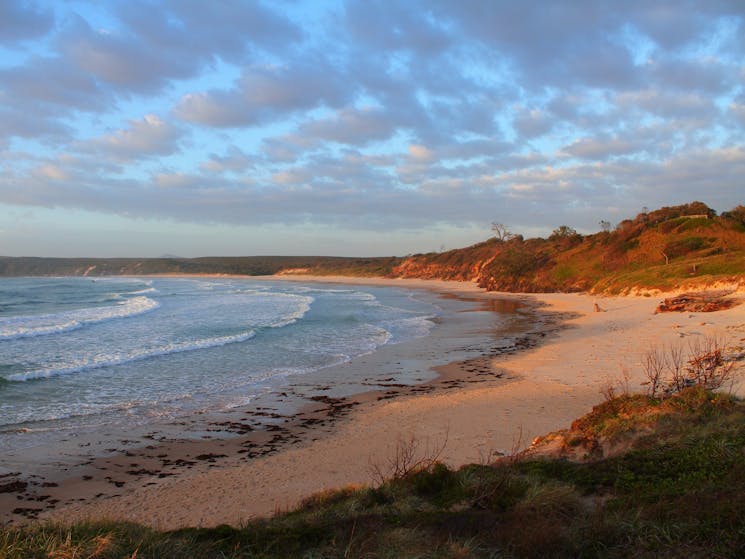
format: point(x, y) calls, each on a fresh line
point(736, 215)
point(673, 369)
point(685, 246)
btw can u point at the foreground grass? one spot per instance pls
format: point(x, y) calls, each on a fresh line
point(677, 491)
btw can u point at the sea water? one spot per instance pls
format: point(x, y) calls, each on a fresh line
point(80, 353)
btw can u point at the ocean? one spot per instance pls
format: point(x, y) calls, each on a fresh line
point(84, 354)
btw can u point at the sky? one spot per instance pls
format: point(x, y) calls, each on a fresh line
point(358, 128)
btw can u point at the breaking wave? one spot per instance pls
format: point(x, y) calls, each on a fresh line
point(108, 360)
point(45, 324)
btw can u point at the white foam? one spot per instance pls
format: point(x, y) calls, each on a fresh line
point(304, 304)
point(195, 315)
point(143, 291)
point(308, 289)
point(42, 325)
point(414, 327)
point(109, 360)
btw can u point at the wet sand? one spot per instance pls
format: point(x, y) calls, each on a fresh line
point(495, 402)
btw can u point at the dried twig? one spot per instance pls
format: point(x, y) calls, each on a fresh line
point(408, 457)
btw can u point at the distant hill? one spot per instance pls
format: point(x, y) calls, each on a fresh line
point(239, 265)
point(677, 246)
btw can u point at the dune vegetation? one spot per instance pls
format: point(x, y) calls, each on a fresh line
point(675, 490)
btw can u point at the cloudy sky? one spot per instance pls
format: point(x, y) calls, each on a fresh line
point(348, 127)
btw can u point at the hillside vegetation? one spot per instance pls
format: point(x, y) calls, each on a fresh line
point(676, 490)
point(663, 249)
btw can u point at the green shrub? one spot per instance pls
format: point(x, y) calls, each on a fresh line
point(434, 482)
point(686, 245)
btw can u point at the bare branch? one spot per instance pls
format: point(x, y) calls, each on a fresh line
point(408, 457)
point(654, 366)
point(500, 231)
point(671, 369)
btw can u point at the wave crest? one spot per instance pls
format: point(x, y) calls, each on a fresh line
point(31, 326)
point(119, 359)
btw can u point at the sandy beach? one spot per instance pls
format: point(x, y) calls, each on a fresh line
point(493, 404)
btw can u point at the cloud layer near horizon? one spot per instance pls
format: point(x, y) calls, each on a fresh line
point(370, 115)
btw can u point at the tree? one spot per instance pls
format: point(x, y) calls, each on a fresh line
point(736, 214)
point(563, 232)
point(500, 231)
point(604, 225)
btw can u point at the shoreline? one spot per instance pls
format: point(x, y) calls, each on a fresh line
point(128, 463)
point(544, 389)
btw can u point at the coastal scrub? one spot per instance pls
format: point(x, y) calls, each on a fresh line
point(676, 488)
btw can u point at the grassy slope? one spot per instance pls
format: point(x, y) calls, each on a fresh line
point(677, 491)
point(699, 250)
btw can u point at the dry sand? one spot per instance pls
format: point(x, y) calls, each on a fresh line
point(549, 386)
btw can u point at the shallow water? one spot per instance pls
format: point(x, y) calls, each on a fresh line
point(78, 354)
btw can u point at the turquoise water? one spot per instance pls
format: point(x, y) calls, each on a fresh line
point(77, 353)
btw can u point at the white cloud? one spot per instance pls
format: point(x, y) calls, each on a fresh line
point(351, 126)
point(173, 180)
point(266, 92)
point(530, 123)
point(420, 153)
point(23, 21)
point(51, 172)
point(233, 161)
point(147, 137)
point(737, 108)
point(599, 148)
point(372, 114)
